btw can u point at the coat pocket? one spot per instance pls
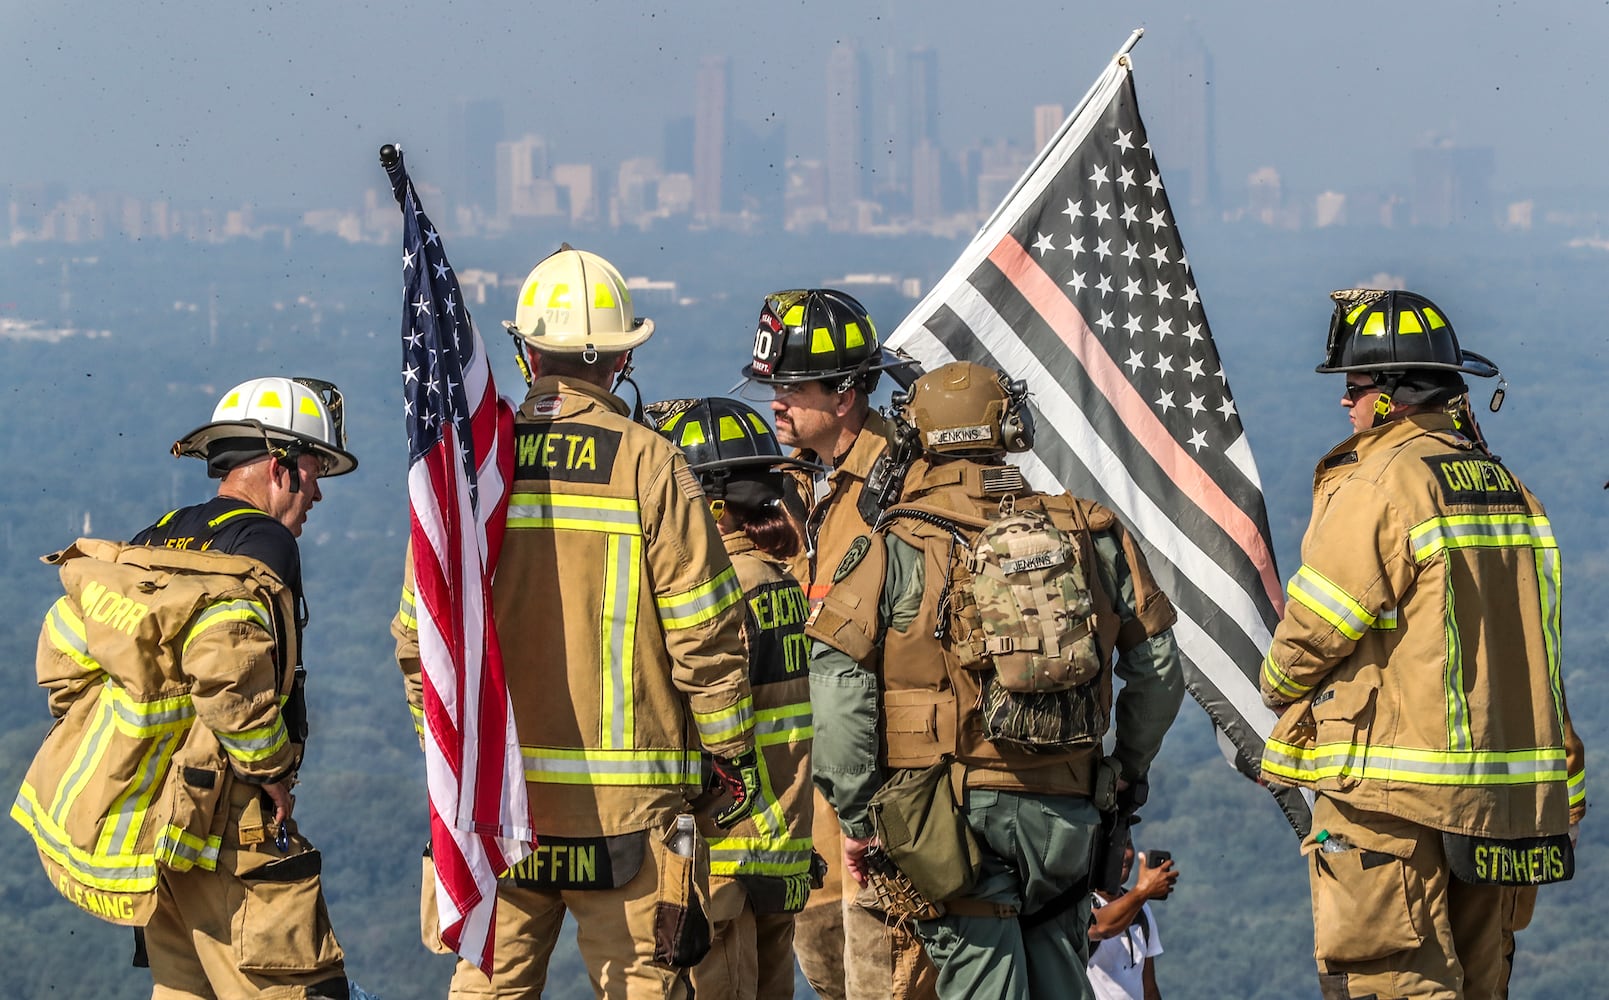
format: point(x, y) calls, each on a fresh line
point(190, 800)
point(1343, 717)
point(1364, 904)
point(681, 928)
point(282, 924)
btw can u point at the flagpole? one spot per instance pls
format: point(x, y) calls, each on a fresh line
point(1067, 123)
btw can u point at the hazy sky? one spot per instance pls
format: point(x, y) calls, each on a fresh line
point(284, 102)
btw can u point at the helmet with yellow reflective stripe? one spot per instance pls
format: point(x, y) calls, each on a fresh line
point(1375, 330)
point(815, 334)
point(575, 302)
point(274, 415)
point(729, 446)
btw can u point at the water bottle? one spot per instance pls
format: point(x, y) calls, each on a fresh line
point(1332, 843)
point(682, 841)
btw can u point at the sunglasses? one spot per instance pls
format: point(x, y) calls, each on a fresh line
point(1356, 392)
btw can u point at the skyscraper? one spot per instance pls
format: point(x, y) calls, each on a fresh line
point(921, 113)
point(475, 128)
point(712, 112)
point(1047, 119)
point(1180, 119)
point(846, 129)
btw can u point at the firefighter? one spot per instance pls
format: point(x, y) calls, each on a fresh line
point(620, 619)
point(906, 688)
point(817, 352)
point(190, 636)
point(761, 870)
point(1418, 675)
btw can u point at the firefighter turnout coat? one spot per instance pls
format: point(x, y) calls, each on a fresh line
point(768, 853)
point(619, 616)
point(1418, 661)
point(831, 510)
point(166, 671)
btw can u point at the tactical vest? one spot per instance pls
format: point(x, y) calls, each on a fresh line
point(144, 643)
point(930, 713)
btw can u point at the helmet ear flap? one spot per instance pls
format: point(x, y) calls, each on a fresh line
point(1016, 420)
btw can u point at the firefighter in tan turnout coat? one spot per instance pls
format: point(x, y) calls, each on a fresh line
point(620, 619)
point(817, 353)
point(1418, 670)
point(161, 798)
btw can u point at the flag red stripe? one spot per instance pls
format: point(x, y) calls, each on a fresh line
point(1041, 292)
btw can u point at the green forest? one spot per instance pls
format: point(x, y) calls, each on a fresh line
point(86, 423)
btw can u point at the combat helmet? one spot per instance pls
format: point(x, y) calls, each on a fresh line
point(965, 410)
point(282, 417)
point(729, 446)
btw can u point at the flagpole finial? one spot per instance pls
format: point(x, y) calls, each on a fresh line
point(1128, 46)
point(389, 155)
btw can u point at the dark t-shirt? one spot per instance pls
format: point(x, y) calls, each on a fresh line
point(232, 526)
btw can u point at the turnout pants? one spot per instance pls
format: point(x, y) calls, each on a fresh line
point(1390, 921)
point(751, 954)
point(1034, 847)
point(818, 930)
point(615, 929)
point(256, 927)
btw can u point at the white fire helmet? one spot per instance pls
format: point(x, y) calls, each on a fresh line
point(273, 415)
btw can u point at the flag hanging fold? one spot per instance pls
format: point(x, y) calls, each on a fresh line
point(1079, 284)
point(460, 468)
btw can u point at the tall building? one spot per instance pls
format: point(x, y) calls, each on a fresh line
point(712, 121)
point(846, 129)
point(1047, 119)
point(1452, 185)
point(1178, 105)
point(521, 168)
point(474, 130)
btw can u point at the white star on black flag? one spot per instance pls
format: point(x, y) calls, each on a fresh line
point(1080, 285)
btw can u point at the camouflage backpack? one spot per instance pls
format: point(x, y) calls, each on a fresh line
point(1036, 620)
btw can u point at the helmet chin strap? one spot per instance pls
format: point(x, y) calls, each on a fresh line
point(1382, 402)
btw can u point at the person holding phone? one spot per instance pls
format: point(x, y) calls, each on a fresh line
point(1122, 964)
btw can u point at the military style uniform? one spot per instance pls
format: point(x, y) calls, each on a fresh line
point(845, 949)
point(620, 619)
point(192, 646)
point(760, 869)
point(1419, 663)
point(890, 695)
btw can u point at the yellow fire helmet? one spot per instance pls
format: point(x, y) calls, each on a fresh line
point(280, 416)
point(575, 302)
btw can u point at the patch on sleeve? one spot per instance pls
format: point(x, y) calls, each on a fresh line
point(687, 479)
point(857, 551)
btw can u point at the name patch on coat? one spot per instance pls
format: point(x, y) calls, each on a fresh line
point(1523, 861)
point(573, 453)
point(1465, 479)
point(580, 862)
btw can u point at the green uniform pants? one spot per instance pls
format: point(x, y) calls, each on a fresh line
point(1035, 847)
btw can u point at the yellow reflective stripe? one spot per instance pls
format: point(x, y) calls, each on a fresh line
point(726, 723)
point(227, 611)
point(1386, 621)
point(701, 603)
point(784, 724)
point(231, 514)
point(407, 611)
point(1463, 531)
point(582, 766)
point(1414, 766)
point(1280, 681)
point(67, 634)
point(167, 517)
point(182, 851)
point(1319, 594)
point(145, 719)
point(418, 719)
point(252, 745)
point(574, 513)
point(820, 341)
point(123, 873)
point(759, 856)
point(1550, 583)
point(126, 815)
point(1578, 788)
point(86, 758)
point(622, 576)
point(1459, 736)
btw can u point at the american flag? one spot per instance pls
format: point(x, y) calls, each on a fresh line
point(460, 468)
point(1080, 285)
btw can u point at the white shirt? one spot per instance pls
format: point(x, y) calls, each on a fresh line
point(1117, 965)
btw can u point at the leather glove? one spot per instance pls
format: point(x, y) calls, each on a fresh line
point(739, 777)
